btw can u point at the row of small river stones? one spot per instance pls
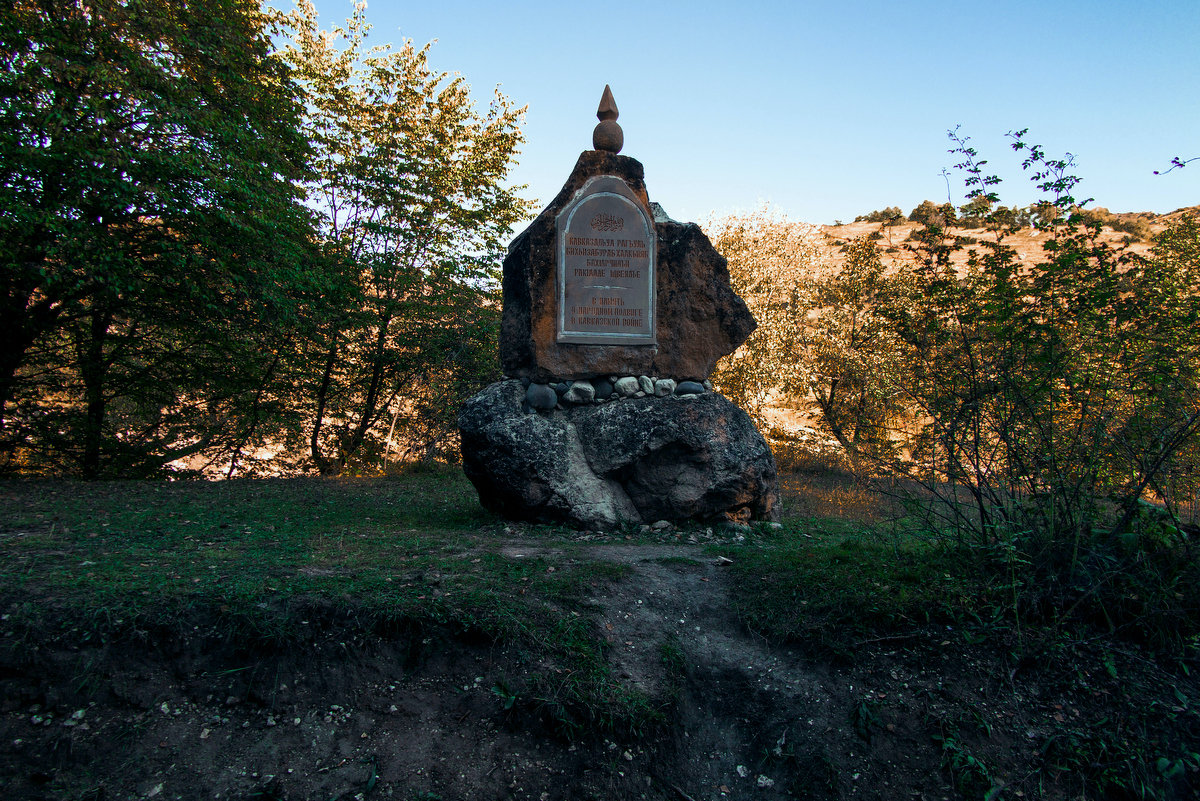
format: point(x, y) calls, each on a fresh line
point(547, 396)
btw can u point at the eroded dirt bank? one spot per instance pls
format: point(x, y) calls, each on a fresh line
point(424, 713)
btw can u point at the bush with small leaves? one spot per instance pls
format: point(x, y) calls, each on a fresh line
point(929, 213)
point(1136, 226)
point(889, 216)
point(1051, 400)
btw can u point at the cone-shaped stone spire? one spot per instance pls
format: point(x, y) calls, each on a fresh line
point(608, 135)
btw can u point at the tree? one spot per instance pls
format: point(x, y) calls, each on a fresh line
point(974, 212)
point(846, 351)
point(889, 216)
point(1045, 214)
point(152, 233)
point(1159, 443)
point(821, 344)
point(771, 262)
point(929, 213)
point(409, 186)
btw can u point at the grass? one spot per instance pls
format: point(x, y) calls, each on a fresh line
point(420, 548)
point(240, 542)
point(113, 559)
point(857, 579)
point(847, 583)
point(843, 560)
point(258, 559)
point(130, 549)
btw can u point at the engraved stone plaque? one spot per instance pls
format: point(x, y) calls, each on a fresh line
point(606, 256)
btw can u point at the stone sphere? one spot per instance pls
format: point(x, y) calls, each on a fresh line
point(608, 136)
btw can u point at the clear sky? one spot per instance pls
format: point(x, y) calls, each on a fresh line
point(827, 110)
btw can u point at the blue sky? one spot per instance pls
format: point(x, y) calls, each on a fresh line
point(828, 110)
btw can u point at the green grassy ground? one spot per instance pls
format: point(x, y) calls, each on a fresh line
point(97, 560)
point(420, 547)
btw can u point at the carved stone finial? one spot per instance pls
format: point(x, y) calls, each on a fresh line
point(608, 135)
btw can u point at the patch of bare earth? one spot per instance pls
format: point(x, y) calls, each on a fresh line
point(423, 713)
point(1028, 244)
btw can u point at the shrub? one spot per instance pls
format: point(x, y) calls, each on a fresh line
point(889, 216)
point(929, 213)
point(1136, 226)
point(1051, 401)
point(771, 261)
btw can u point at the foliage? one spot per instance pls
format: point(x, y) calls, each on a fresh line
point(771, 261)
point(932, 214)
point(821, 344)
point(409, 188)
point(1051, 397)
point(889, 216)
point(1178, 162)
point(1027, 412)
point(165, 297)
point(1045, 214)
point(847, 347)
point(1136, 225)
point(974, 212)
point(153, 237)
point(1168, 283)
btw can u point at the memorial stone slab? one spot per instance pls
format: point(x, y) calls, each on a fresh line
point(604, 283)
point(614, 317)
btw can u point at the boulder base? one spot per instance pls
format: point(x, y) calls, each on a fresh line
point(637, 460)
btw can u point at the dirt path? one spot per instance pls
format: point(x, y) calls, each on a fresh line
point(742, 699)
point(356, 715)
point(427, 715)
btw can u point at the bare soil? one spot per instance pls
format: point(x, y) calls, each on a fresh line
point(356, 712)
point(1028, 244)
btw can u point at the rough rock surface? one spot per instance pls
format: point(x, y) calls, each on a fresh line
point(699, 316)
point(631, 461)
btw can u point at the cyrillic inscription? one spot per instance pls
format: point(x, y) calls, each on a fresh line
point(606, 250)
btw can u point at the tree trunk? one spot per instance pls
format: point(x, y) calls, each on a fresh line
point(371, 401)
point(21, 323)
point(324, 466)
point(93, 369)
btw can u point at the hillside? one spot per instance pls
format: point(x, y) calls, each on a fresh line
point(1029, 243)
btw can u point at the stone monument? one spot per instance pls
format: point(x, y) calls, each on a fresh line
point(614, 317)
